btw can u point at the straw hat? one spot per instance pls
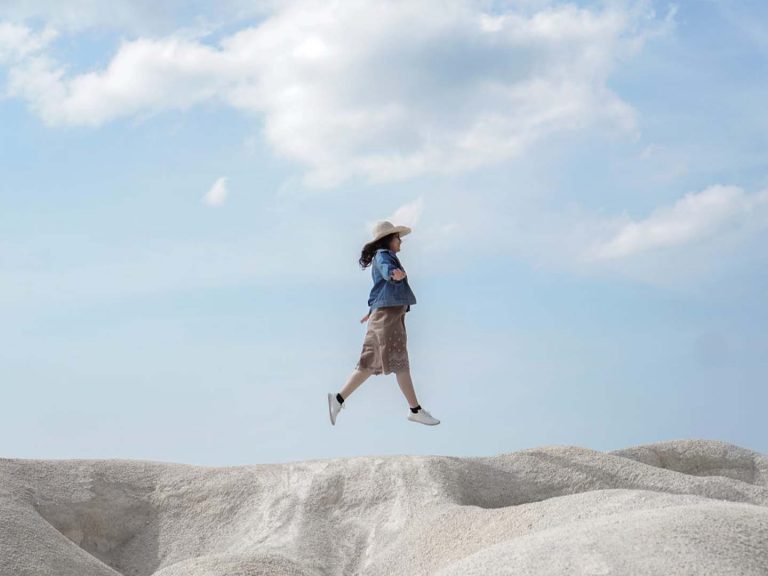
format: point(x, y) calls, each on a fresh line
point(384, 227)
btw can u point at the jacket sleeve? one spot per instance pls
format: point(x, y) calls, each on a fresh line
point(386, 264)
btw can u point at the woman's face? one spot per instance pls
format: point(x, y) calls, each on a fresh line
point(394, 244)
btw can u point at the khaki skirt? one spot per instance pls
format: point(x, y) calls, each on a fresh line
point(385, 344)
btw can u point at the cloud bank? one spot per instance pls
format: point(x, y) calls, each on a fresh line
point(383, 91)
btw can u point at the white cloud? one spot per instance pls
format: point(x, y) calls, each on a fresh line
point(218, 193)
point(406, 215)
point(689, 244)
point(381, 90)
point(693, 218)
point(144, 76)
point(18, 42)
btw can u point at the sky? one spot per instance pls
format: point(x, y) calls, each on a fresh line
point(186, 188)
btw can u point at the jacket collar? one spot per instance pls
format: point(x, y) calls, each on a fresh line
point(394, 255)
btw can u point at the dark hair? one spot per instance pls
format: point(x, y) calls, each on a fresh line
point(369, 250)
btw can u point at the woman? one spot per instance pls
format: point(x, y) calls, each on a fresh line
point(384, 348)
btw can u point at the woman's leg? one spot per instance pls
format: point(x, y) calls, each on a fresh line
point(357, 378)
point(406, 385)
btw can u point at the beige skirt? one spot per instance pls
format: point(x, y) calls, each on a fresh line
point(385, 344)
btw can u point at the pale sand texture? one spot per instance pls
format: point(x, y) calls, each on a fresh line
point(671, 508)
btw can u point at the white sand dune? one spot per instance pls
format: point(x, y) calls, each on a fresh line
point(671, 508)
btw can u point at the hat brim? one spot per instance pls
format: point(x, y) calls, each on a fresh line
point(402, 230)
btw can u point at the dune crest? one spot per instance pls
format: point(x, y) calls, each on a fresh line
point(677, 507)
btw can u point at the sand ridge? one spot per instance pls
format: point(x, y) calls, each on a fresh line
point(690, 506)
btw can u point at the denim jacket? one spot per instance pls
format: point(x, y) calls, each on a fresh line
point(386, 291)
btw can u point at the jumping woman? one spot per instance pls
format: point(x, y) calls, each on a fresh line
point(385, 344)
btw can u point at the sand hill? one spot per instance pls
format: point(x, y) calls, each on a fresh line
point(671, 508)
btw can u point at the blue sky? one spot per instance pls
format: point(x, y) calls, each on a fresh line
point(185, 194)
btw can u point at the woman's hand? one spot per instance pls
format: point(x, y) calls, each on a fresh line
point(398, 274)
point(364, 318)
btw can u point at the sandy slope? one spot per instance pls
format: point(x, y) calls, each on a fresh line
point(670, 508)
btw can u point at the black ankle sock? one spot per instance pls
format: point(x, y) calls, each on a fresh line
point(416, 408)
point(339, 398)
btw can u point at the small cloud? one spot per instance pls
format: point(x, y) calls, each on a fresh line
point(692, 218)
point(218, 193)
point(406, 215)
point(650, 150)
point(18, 41)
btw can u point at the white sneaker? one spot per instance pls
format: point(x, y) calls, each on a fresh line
point(334, 406)
point(423, 417)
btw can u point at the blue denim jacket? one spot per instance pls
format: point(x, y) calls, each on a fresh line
point(386, 291)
